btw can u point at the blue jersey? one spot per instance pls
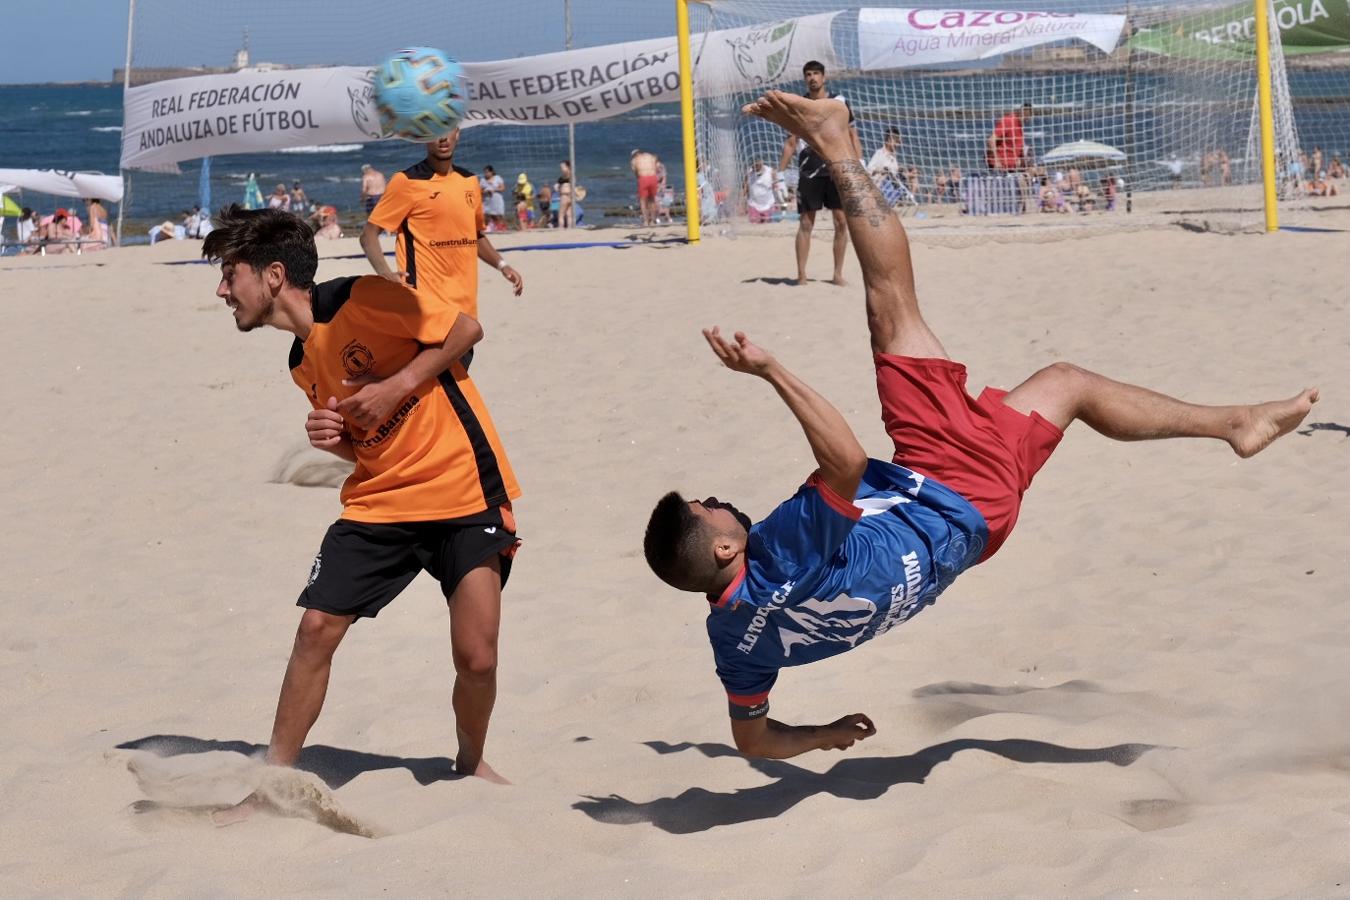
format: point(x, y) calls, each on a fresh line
point(823, 574)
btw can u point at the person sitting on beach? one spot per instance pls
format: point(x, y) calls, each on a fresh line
point(864, 544)
point(1052, 201)
point(1337, 168)
point(432, 487)
point(1109, 189)
point(27, 225)
point(97, 233)
point(328, 224)
point(1084, 199)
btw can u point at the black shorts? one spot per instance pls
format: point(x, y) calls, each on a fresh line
point(361, 566)
point(817, 193)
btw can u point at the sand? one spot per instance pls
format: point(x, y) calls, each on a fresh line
point(1144, 694)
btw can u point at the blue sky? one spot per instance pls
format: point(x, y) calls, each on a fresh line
point(62, 40)
point(84, 40)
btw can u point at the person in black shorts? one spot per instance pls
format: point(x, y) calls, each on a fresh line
point(432, 486)
point(815, 189)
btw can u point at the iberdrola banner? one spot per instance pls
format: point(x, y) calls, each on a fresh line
point(1306, 26)
point(899, 38)
point(254, 111)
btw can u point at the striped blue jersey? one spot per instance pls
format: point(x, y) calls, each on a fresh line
point(823, 574)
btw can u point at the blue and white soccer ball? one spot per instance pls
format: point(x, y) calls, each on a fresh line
point(420, 94)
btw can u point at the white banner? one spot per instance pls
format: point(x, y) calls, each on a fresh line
point(598, 82)
point(65, 184)
point(897, 38)
point(246, 112)
point(252, 111)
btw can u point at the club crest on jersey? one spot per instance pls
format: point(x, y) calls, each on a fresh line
point(469, 197)
point(357, 359)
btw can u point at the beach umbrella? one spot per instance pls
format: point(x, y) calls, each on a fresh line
point(1084, 154)
point(8, 207)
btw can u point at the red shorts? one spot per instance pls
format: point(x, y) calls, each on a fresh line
point(647, 185)
point(985, 451)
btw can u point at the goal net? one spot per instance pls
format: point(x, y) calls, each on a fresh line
point(1087, 111)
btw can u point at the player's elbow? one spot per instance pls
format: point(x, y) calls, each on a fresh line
point(470, 328)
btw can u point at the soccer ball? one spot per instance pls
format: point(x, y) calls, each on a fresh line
point(420, 94)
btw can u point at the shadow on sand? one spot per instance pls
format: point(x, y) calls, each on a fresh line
point(333, 765)
point(853, 779)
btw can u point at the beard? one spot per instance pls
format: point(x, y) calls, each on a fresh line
point(258, 320)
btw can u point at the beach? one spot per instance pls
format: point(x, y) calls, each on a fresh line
point(1144, 693)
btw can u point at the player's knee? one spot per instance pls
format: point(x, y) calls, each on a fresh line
point(477, 661)
point(319, 633)
point(1065, 375)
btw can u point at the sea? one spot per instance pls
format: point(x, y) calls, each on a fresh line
point(78, 127)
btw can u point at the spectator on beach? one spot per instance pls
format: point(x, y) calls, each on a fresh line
point(1109, 191)
point(1006, 149)
point(494, 201)
point(1084, 199)
point(97, 231)
point(372, 187)
point(299, 202)
point(665, 195)
point(760, 201)
point(1319, 186)
point(1174, 166)
point(884, 167)
point(1225, 168)
point(563, 188)
point(1051, 200)
point(328, 224)
point(1337, 168)
point(548, 207)
point(1316, 167)
point(524, 197)
point(644, 163)
point(280, 199)
point(27, 225)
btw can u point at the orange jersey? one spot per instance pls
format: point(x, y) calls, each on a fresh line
point(438, 455)
point(437, 219)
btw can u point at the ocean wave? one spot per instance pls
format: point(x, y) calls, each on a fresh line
point(330, 148)
point(106, 128)
point(79, 112)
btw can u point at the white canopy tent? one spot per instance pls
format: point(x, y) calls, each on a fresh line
point(65, 184)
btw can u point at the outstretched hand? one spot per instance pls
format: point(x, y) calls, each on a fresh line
point(739, 354)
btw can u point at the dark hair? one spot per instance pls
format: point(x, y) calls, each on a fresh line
point(489, 169)
point(676, 545)
point(1027, 105)
point(261, 237)
point(25, 212)
point(813, 65)
point(892, 131)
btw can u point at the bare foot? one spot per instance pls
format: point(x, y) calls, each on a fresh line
point(481, 769)
point(242, 810)
point(838, 281)
point(824, 125)
point(1261, 423)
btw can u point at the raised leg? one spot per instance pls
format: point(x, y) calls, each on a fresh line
point(475, 618)
point(878, 237)
point(805, 224)
point(1063, 393)
point(840, 246)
